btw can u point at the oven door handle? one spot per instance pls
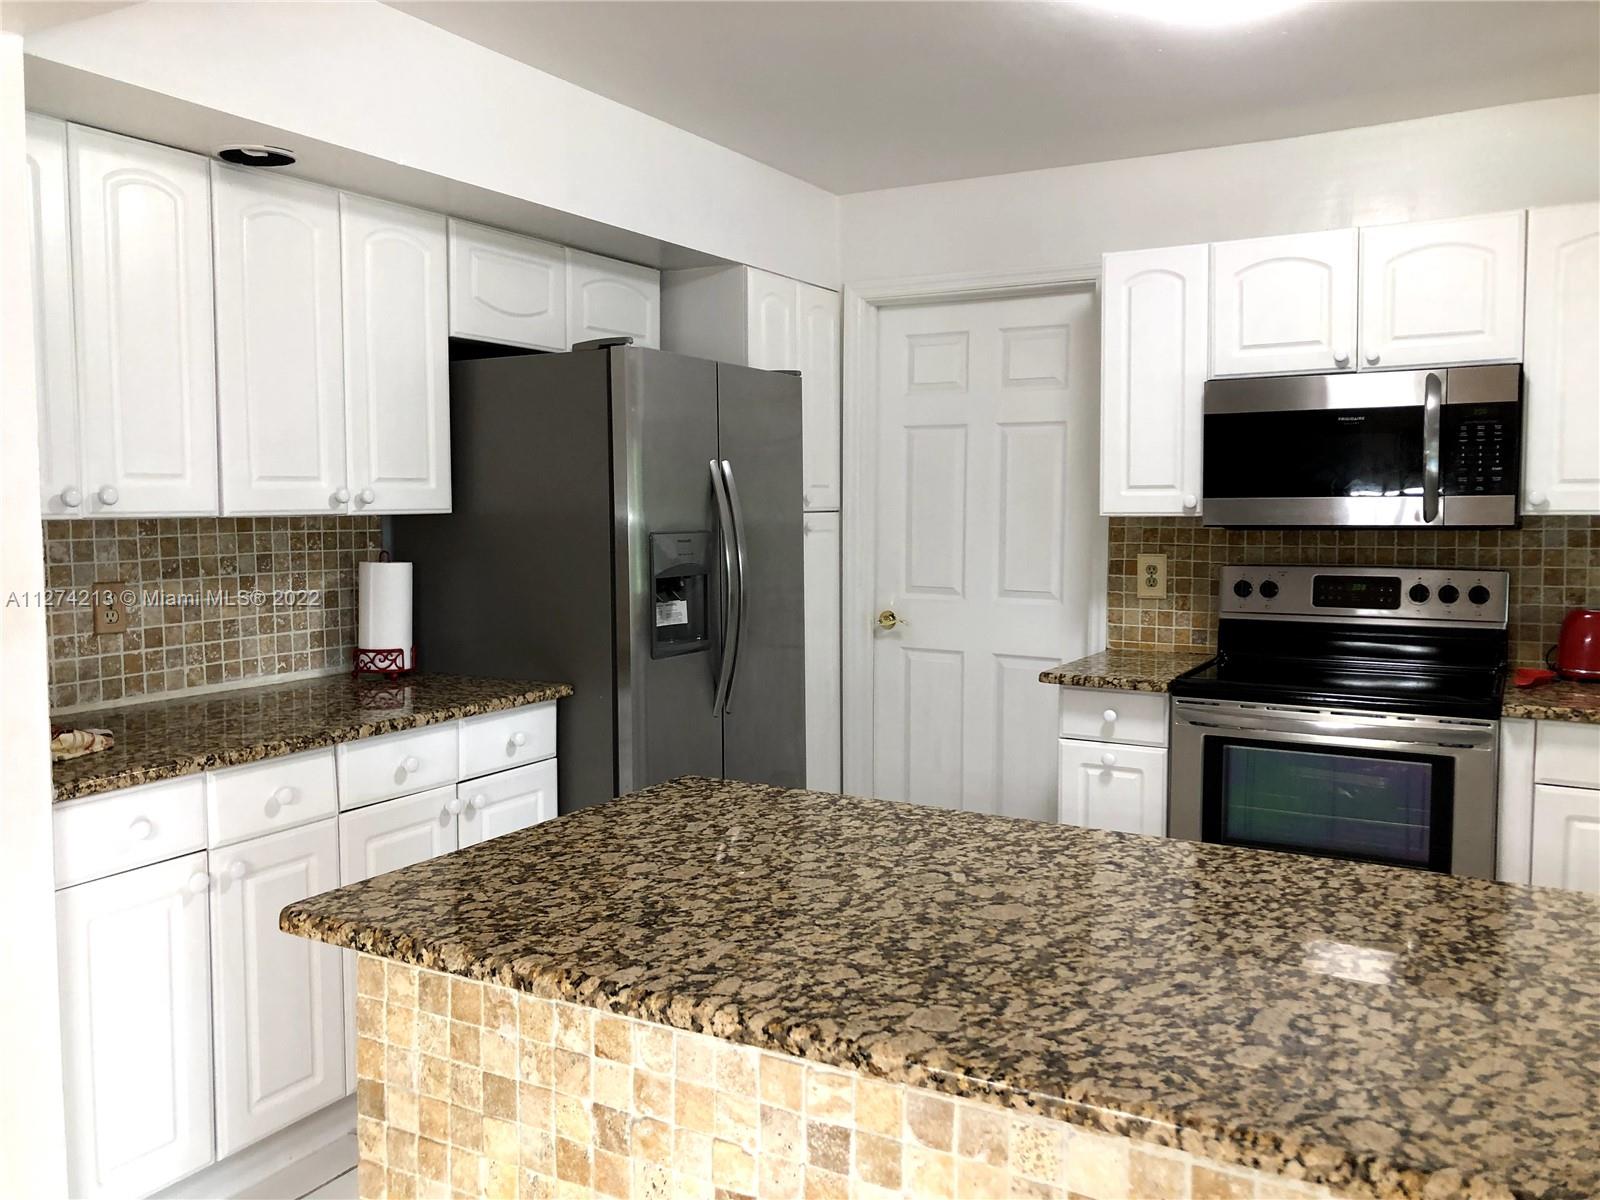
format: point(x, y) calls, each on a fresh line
point(1379, 734)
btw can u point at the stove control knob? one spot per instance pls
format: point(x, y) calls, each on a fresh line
point(1242, 588)
point(1478, 594)
point(1449, 594)
point(1419, 593)
point(1269, 589)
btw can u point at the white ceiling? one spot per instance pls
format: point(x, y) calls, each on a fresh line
point(866, 94)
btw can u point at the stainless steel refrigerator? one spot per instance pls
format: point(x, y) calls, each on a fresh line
point(628, 521)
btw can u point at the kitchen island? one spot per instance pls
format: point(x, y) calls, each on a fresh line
point(721, 987)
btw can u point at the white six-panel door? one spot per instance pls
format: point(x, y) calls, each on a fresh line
point(506, 801)
point(1284, 304)
point(817, 324)
point(822, 547)
point(146, 355)
point(136, 1027)
point(396, 347)
point(280, 344)
point(507, 289)
point(1439, 292)
point(278, 998)
point(986, 527)
point(607, 298)
point(1561, 366)
point(1153, 351)
point(1117, 787)
point(55, 367)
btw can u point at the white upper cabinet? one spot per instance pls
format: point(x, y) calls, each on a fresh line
point(60, 450)
point(396, 357)
point(771, 306)
point(146, 357)
point(1561, 367)
point(1153, 348)
point(1284, 304)
point(817, 318)
point(507, 289)
point(280, 345)
point(607, 298)
point(1440, 292)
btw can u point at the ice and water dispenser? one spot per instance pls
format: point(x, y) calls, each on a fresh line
point(680, 570)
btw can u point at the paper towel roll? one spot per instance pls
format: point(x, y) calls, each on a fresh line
point(383, 608)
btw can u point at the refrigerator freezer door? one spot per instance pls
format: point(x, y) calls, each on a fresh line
point(763, 727)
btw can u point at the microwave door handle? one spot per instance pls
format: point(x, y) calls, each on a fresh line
point(1432, 401)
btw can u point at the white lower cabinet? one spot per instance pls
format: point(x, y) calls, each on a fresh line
point(506, 802)
point(1549, 804)
point(278, 1001)
point(136, 1027)
point(1566, 838)
point(823, 686)
point(1108, 785)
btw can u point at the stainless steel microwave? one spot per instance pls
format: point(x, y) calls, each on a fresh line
point(1400, 449)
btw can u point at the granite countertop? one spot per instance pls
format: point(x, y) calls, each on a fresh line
point(1381, 1031)
point(1127, 670)
point(1563, 700)
point(163, 739)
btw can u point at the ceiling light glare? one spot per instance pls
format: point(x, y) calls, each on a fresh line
point(1195, 14)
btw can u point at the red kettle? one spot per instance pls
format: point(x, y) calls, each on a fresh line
point(1578, 650)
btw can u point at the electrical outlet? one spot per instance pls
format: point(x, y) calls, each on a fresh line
point(110, 613)
point(1152, 576)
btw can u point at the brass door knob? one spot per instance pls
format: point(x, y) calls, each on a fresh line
point(888, 620)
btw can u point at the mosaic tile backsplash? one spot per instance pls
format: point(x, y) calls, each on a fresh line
point(214, 600)
point(1554, 564)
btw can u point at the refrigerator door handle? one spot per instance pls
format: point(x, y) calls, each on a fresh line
point(730, 590)
point(741, 605)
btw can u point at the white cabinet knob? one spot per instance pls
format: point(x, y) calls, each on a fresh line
point(1108, 759)
point(341, 496)
point(1109, 715)
point(478, 801)
point(519, 738)
point(108, 494)
point(286, 795)
point(1372, 359)
point(199, 884)
point(366, 495)
point(454, 805)
point(1537, 499)
point(141, 829)
point(237, 869)
point(1341, 358)
point(71, 497)
point(1189, 501)
point(410, 763)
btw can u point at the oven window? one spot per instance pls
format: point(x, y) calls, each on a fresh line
point(1386, 808)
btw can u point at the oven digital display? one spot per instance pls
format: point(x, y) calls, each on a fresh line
point(1355, 591)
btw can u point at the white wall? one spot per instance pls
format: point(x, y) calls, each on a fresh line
point(32, 1138)
point(371, 79)
point(1515, 156)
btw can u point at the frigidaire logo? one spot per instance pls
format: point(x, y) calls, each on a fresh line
point(1352, 420)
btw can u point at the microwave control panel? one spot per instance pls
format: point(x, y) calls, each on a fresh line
point(1479, 449)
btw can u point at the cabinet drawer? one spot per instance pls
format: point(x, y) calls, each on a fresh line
point(1568, 753)
point(102, 835)
point(396, 764)
point(507, 739)
point(277, 794)
point(1101, 715)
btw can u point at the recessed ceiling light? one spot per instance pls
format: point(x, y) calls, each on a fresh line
point(1196, 14)
point(256, 156)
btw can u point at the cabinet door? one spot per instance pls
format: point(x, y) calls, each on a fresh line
point(277, 997)
point(1566, 838)
point(1561, 367)
point(1284, 304)
point(506, 802)
point(507, 289)
point(396, 357)
point(1153, 377)
point(136, 1027)
point(1109, 786)
point(146, 350)
point(55, 369)
point(1440, 292)
point(819, 396)
point(823, 695)
point(607, 298)
point(280, 344)
point(771, 313)
point(382, 838)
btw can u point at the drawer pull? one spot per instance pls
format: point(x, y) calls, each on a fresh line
point(1108, 759)
point(478, 801)
point(199, 884)
point(141, 829)
point(519, 738)
point(410, 763)
point(454, 805)
point(286, 795)
point(237, 869)
point(1109, 715)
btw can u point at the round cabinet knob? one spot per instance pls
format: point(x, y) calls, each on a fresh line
point(342, 496)
point(1449, 594)
point(141, 829)
point(454, 805)
point(108, 495)
point(478, 801)
point(1269, 589)
point(286, 795)
point(1372, 360)
point(1341, 358)
point(1419, 593)
point(519, 738)
point(367, 495)
point(237, 869)
point(199, 884)
point(1109, 715)
point(1242, 588)
point(71, 497)
point(1108, 759)
point(1478, 594)
point(1189, 501)
point(1536, 499)
point(410, 763)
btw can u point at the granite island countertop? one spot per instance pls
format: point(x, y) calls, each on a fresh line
point(1127, 670)
point(184, 735)
point(1380, 1031)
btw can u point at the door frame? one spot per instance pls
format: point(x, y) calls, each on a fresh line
point(863, 303)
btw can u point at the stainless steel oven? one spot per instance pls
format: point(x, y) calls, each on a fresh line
point(1381, 448)
point(1388, 788)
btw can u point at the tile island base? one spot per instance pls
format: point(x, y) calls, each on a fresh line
point(476, 1089)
